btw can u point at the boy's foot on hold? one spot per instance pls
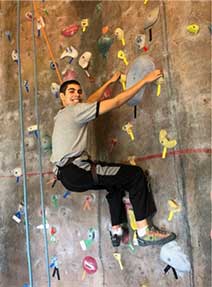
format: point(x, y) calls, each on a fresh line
point(155, 236)
point(121, 236)
point(115, 239)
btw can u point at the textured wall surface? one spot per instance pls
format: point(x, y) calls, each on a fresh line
point(183, 110)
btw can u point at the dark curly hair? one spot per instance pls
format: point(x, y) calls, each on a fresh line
point(64, 85)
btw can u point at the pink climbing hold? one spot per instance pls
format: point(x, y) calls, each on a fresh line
point(69, 75)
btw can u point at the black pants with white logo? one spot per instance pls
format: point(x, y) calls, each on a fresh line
point(128, 178)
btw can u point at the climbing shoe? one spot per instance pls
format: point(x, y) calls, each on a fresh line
point(121, 236)
point(155, 236)
point(115, 239)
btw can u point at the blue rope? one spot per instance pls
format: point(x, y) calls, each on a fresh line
point(23, 149)
point(40, 150)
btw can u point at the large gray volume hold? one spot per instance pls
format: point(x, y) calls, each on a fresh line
point(138, 70)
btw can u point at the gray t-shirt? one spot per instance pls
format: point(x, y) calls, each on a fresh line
point(69, 138)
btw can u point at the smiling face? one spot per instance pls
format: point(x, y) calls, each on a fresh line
point(72, 96)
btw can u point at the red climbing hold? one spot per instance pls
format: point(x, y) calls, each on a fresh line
point(70, 30)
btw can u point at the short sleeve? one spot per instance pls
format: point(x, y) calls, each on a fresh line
point(86, 112)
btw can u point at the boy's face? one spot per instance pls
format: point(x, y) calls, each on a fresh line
point(73, 95)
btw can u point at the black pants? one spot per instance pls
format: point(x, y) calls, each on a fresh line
point(128, 178)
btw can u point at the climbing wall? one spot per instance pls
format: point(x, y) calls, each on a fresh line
point(168, 134)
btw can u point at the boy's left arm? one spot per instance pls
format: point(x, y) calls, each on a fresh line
point(96, 96)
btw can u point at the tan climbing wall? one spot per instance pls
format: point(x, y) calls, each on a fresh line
point(183, 109)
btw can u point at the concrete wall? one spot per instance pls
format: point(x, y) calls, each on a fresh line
point(183, 109)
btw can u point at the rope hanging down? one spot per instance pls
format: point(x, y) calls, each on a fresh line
point(23, 149)
point(47, 43)
point(40, 150)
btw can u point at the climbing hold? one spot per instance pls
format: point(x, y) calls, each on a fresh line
point(150, 20)
point(15, 56)
point(84, 61)
point(26, 85)
point(131, 159)
point(173, 208)
point(84, 24)
point(119, 33)
point(131, 247)
point(145, 2)
point(132, 220)
point(121, 55)
point(172, 255)
point(66, 194)
point(166, 142)
point(46, 143)
point(8, 34)
point(87, 202)
point(17, 172)
point(71, 53)
point(107, 93)
point(17, 216)
point(89, 265)
point(41, 226)
point(54, 264)
point(70, 30)
point(105, 29)
point(140, 41)
point(123, 80)
point(40, 24)
point(117, 256)
point(159, 82)
point(99, 7)
point(91, 233)
point(141, 66)
point(193, 28)
point(41, 21)
point(54, 200)
point(53, 232)
point(53, 65)
point(46, 11)
point(86, 244)
point(113, 143)
point(128, 128)
point(55, 89)
point(69, 74)
point(28, 16)
point(33, 130)
point(104, 43)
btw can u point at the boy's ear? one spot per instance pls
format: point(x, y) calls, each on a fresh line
point(62, 97)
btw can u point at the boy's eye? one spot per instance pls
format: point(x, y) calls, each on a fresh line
point(72, 91)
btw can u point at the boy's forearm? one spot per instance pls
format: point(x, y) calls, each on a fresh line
point(96, 96)
point(129, 93)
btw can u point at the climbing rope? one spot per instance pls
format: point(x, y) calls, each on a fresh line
point(23, 149)
point(39, 150)
point(47, 43)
